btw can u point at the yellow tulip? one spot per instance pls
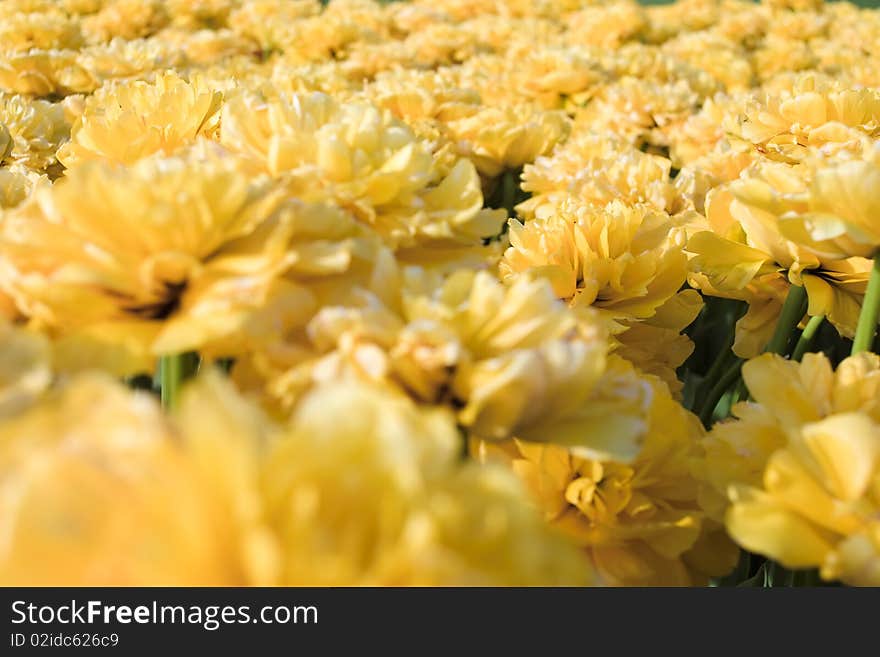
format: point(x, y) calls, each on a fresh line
point(640, 522)
point(124, 122)
point(800, 466)
point(158, 258)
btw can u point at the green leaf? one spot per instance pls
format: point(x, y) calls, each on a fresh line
point(759, 579)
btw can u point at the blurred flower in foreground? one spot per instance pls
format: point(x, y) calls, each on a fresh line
point(801, 465)
point(362, 488)
point(367, 489)
point(98, 490)
point(25, 367)
point(510, 361)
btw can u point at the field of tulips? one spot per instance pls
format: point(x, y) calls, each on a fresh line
point(443, 292)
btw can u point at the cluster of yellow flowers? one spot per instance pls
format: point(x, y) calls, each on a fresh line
point(431, 291)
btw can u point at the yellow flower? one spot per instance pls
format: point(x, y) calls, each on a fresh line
point(44, 73)
point(642, 111)
point(836, 217)
point(696, 180)
point(723, 59)
point(808, 23)
point(556, 77)
point(37, 128)
point(364, 160)
point(702, 132)
point(496, 138)
point(796, 5)
point(77, 7)
point(657, 345)
point(627, 261)
point(194, 14)
point(605, 26)
point(21, 32)
point(209, 47)
point(787, 395)
point(815, 113)
point(858, 29)
point(128, 60)
point(156, 503)
point(801, 465)
point(214, 495)
point(161, 257)
point(314, 131)
point(336, 33)
point(413, 95)
point(639, 522)
point(667, 20)
point(17, 184)
point(267, 22)
point(129, 19)
point(531, 367)
point(437, 44)
point(759, 239)
point(13, 7)
point(124, 122)
point(510, 361)
point(462, 10)
point(597, 169)
point(366, 489)
point(327, 256)
point(328, 77)
point(777, 55)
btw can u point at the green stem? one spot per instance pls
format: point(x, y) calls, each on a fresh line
point(717, 368)
point(717, 392)
point(870, 314)
point(806, 578)
point(740, 392)
point(465, 443)
point(792, 312)
point(170, 379)
point(806, 340)
point(508, 191)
